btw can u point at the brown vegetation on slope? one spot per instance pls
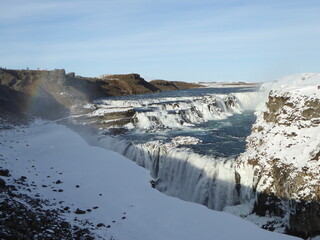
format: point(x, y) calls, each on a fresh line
point(164, 85)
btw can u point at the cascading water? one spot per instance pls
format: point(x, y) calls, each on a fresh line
point(188, 143)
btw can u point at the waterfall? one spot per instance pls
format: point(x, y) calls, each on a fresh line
point(180, 172)
point(160, 114)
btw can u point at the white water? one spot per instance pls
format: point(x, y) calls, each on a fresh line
point(182, 112)
point(180, 172)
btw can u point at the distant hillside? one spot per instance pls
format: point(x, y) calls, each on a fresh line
point(53, 94)
point(127, 84)
point(164, 85)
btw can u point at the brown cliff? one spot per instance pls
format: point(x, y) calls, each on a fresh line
point(164, 85)
point(54, 94)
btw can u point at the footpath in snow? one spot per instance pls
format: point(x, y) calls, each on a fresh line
point(111, 189)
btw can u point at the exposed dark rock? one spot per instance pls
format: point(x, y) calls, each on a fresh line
point(2, 183)
point(24, 217)
point(108, 120)
point(4, 172)
point(305, 219)
point(274, 105)
point(268, 204)
point(100, 225)
point(313, 110)
point(153, 184)
point(58, 182)
point(114, 131)
point(23, 178)
point(79, 211)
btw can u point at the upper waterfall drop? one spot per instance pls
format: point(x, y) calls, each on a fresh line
point(181, 112)
point(250, 100)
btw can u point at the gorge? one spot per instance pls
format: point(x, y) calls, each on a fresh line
point(276, 176)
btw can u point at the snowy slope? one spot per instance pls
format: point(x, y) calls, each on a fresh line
point(283, 153)
point(287, 133)
point(46, 153)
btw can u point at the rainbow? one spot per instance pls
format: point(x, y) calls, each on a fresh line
point(33, 93)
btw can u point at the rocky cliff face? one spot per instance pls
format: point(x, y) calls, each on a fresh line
point(40, 93)
point(281, 165)
point(54, 94)
point(128, 84)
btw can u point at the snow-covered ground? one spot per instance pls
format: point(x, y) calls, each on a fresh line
point(229, 84)
point(46, 152)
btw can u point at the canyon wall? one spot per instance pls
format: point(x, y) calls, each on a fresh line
point(54, 94)
point(281, 165)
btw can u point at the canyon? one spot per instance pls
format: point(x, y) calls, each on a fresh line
point(277, 176)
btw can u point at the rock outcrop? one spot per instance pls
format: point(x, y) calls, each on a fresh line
point(164, 85)
point(41, 93)
point(281, 165)
point(128, 84)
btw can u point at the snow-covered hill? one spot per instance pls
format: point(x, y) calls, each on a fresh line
point(281, 165)
point(113, 192)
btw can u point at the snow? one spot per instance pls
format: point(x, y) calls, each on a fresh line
point(291, 141)
point(180, 172)
point(304, 82)
point(299, 88)
point(116, 185)
point(228, 84)
point(183, 140)
point(107, 110)
point(301, 84)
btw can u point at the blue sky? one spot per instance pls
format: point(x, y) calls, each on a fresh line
point(183, 40)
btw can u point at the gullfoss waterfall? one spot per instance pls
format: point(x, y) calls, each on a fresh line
point(188, 142)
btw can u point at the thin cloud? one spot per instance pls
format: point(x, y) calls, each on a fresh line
point(148, 33)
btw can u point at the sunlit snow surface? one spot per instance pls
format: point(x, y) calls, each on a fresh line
point(293, 141)
point(117, 186)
